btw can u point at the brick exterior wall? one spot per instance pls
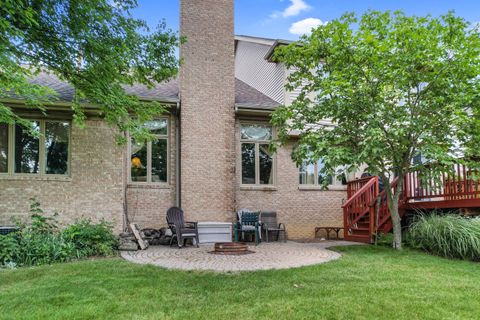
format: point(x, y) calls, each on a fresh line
point(147, 204)
point(94, 188)
point(299, 209)
point(210, 153)
point(207, 91)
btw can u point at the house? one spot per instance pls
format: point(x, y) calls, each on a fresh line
point(210, 157)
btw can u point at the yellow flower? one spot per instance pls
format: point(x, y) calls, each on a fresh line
point(136, 162)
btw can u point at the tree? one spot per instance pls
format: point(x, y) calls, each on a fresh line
point(394, 86)
point(95, 45)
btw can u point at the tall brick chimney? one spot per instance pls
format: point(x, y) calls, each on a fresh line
point(207, 93)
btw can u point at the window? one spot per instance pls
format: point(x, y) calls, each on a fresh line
point(45, 151)
point(257, 160)
point(149, 159)
point(311, 174)
point(3, 148)
point(27, 149)
point(56, 147)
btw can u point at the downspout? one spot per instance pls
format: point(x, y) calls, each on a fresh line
point(178, 171)
point(126, 220)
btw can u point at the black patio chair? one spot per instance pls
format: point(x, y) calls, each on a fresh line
point(181, 229)
point(270, 224)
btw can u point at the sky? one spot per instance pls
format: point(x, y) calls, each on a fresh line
point(287, 19)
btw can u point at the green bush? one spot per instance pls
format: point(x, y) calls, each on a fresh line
point(9, 248)
point(38, 248)
point(91, 239)
point(42, 242)
point(450, 236)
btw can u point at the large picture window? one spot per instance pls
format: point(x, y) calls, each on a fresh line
point(149, 159)
point(257, 160)
point(43, 149)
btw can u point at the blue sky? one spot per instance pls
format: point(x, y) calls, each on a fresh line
point(286, 19)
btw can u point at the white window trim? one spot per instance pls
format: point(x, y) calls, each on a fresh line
point(149, 159)
point(41, 153)
point(257, 144)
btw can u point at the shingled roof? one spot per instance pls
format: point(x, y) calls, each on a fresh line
point(168, 92)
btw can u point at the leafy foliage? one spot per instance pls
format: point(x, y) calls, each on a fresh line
point(95, 45)
point(393, 86)
point(42, 242)
point(91, 239)
point(450, 236)
point(37, 248)
point(9, 248)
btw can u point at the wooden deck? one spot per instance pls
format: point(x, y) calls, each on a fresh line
point(458, 187)
point(366, 211)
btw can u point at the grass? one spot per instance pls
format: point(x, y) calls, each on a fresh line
point(366, 283)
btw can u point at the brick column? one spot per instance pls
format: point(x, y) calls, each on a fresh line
point(207, 93)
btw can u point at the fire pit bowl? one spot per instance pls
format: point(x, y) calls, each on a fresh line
point(231, 248)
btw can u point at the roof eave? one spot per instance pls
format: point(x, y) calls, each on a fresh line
point(271, 51)
point(254, 109)
point(60, 103)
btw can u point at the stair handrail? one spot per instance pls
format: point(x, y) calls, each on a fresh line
point(350, 189)
point(358, 206)
point(384, 203)
point(393, 184)
point(373, 180)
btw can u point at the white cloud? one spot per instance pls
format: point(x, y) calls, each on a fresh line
point(296, 7)
point(305, 26)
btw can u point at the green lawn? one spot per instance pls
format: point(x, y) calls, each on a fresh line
point(367, 283)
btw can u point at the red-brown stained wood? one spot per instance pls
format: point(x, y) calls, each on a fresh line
point(458, 188)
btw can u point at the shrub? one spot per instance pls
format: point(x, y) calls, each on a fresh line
point(38, 248)
point(91, 239)
point(42, 242)
point(450, 236)
point(9, 248)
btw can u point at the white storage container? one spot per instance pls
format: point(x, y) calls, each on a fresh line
point(211, 232)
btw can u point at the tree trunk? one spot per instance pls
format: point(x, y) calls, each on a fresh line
point(393, 199)
point(396, 222)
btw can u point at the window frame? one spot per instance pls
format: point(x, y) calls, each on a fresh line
point(336, 184)
point(257, 144)
point(149, 158)
point(41, 152)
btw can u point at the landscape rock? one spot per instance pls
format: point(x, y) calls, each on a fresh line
point(156, 237)
point(128, 246)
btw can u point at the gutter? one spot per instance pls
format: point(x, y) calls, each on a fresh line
point(58, 104)
point(251, 109)
point(276, 44)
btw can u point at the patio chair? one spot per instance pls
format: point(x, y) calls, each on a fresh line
point(248, 222)
point(270, 224)
point(181, 229)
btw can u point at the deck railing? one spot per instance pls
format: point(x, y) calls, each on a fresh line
point(355, 185)
point(458, 183)
point(367, 206)
point(382, 211)
point(359, 205)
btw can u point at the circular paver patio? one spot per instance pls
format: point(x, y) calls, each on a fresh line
point(267, 256)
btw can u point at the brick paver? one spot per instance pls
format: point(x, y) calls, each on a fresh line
point(266, 256)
